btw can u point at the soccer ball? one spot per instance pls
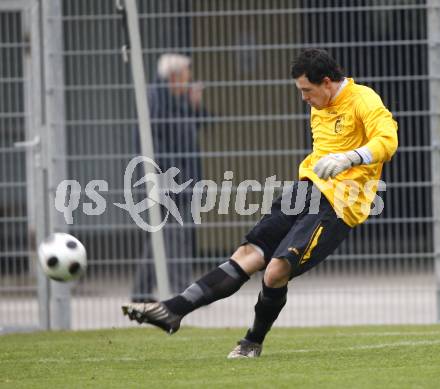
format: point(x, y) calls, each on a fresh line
point(62, 257)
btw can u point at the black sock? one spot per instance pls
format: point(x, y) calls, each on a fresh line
point(269, 305)
point(221, 282)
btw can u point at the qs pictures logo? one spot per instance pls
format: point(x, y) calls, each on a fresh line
point(155, 179)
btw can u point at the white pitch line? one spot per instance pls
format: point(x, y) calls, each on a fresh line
point(65, 360)
point(364, 334)
point(371, 346)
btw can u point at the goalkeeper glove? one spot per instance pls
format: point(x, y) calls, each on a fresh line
point(333, 164)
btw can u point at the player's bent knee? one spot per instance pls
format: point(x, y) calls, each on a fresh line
point(277, 273)
point(249, 259)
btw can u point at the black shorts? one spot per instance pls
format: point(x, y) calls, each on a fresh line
point(305, 236)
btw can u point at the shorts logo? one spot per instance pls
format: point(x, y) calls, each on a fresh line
point(339, 124)
point(293, 250)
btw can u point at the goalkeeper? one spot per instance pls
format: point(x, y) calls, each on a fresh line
point(353, 135)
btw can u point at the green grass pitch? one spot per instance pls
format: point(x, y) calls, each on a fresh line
point(338, 357)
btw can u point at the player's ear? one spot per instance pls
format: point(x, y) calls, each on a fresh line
point(326, 81)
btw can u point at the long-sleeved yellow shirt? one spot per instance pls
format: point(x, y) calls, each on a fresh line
point(355, 118)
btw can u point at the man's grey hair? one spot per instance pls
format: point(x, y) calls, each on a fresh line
point(172, 63)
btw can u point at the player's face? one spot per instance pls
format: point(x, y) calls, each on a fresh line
point(316, 95)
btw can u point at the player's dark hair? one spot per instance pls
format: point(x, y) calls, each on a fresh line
point(316, 64)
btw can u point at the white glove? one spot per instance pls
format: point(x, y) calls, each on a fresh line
point(333, 164)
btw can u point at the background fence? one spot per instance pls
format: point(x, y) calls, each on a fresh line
point(257, 127)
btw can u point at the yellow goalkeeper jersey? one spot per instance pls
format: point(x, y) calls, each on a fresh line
point(355, 118)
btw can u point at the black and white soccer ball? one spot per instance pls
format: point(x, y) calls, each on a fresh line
point(62, 257)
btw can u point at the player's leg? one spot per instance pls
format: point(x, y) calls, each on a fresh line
point(219, 283)
point(271, 301)
point(310, 241)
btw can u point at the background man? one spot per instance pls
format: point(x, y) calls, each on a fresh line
point(175, 109)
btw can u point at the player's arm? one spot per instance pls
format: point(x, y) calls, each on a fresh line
point(381, 131)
